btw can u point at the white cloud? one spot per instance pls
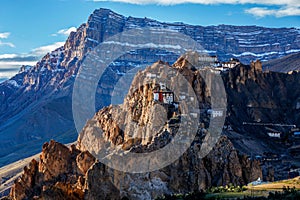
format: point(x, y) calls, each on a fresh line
point(17, 60)
point(281, 12)
point(7, 44)
point(46, 49)
point(65, 32)
point(5, 56)
point(286, 7)
point(4, 35)
point(259, 11)
point(17, 63)
point(30, 58)
point(11, 63)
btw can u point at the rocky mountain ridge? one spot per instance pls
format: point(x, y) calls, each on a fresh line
point(35, 105)
point(72, 173)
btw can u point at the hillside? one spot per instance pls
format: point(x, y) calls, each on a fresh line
point(278, 185)
point(284, 64)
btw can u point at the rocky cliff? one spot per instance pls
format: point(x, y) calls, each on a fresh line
point(64, 173)
point(141, 124)
point(58, 175)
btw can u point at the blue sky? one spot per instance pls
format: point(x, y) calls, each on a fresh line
point(30, 28)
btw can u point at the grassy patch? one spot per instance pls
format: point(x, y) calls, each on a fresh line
point(291, 183)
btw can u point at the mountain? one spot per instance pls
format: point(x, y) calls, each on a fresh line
point(143, 124)
point(36, 104)
point(284, 64)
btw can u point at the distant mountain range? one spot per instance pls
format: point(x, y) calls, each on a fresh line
point(35, 104)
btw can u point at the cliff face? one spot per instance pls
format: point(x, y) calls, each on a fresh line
point(267, 100)
point(64, 173)
point(60, 174)
point(137, 126)
point(189, 173)
point(143, 125)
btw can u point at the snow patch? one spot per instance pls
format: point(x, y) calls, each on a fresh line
point(115, 16)
point(25, 68)
point(146, 45)
point(248, 34)
point(253, 46)
point(43, 69)
point(266, 54)
point(293, 51)
point(208, 51)
point(154, 23)
point(58, 70)
point(131, 25)
point(254, 54)
point(13, 83)
point(120, 73)
point(92, 40)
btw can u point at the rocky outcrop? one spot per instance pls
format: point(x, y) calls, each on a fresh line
point(137, 126)
point(59, 174)
point(222, 166)
point(61, 177)
point(189, 173)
